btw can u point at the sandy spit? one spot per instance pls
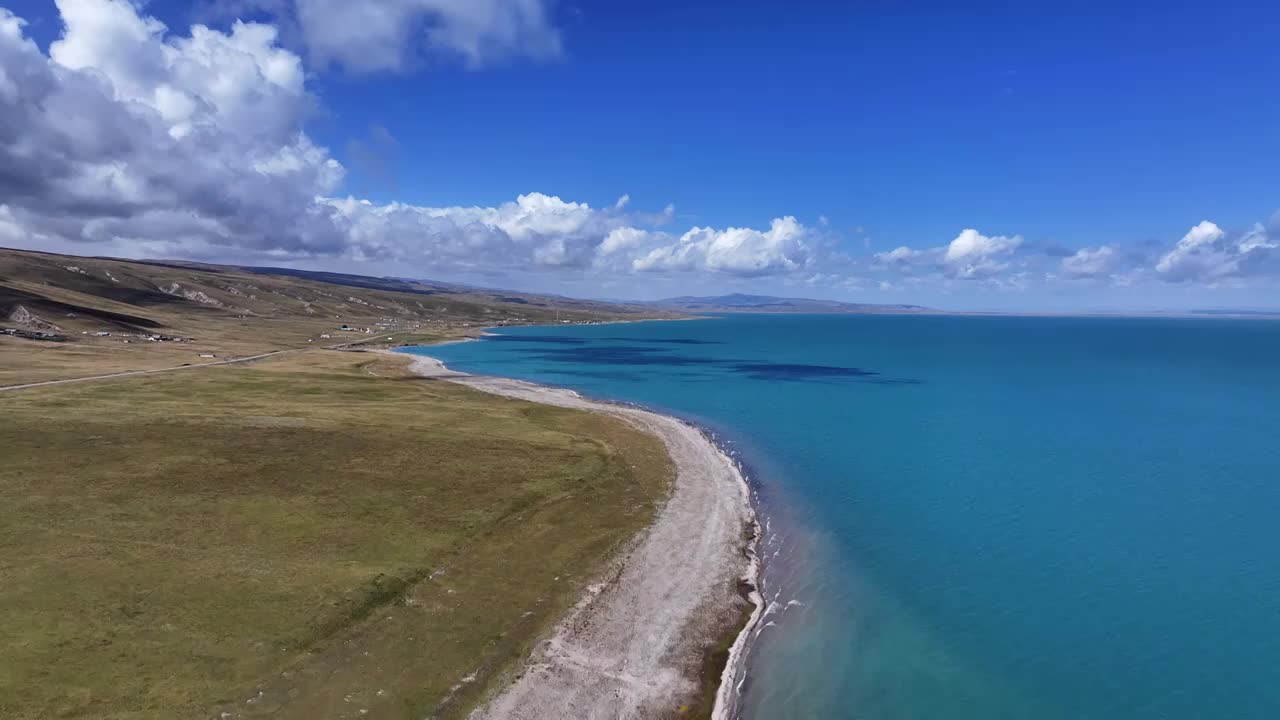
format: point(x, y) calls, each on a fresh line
point(633, 646)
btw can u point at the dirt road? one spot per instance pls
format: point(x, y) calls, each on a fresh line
point(130, 373)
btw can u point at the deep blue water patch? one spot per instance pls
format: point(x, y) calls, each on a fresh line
point(551, 339)
point(799, 371)
point(894, 381)
point(622, 355)
point(608, 351)
point(667, 341)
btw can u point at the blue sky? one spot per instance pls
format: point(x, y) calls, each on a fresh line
point(1116, 129)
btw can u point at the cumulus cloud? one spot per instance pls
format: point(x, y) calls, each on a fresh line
point(124, 131)
point(971, 255)
point(395, 35)
point(1207, 253)
point(1091, 262)
point(785, 247)
point(534, 230)
point(902, 256)
point(623, 239)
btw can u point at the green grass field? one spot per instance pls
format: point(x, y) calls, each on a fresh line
point(307, 537)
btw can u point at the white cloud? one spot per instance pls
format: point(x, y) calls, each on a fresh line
point(238, 81)
point(123, 131)
point(787, 246)
point(971, 255)
point(623, 239)
point(396, 35)
point(1091, 262)
point(534, 231)
point(1207, 253)
point(902, 255)
point(909, 263)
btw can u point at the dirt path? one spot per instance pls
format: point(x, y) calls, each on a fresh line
point(192, 366)
point(130, 373)
point(634, 646)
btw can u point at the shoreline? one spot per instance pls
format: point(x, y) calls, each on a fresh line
point(643, 637)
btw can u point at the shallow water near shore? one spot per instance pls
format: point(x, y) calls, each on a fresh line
point(980, 517)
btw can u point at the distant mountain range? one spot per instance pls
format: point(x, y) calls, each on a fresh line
point(1236, 312)
point(739, 302)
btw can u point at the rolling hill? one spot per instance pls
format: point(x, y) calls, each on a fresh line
point(103, 314)
point(42, 291)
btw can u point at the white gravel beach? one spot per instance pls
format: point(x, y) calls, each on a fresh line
point(634, 645)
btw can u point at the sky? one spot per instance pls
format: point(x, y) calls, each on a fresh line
point(1074, 156)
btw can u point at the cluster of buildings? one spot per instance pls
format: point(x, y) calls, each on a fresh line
point(141, 336)
point(33, 334)
point(49, 335)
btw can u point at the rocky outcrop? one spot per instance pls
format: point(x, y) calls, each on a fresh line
point(24, 317)
point(193, 295)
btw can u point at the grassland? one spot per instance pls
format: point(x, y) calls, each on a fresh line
point(315, 535)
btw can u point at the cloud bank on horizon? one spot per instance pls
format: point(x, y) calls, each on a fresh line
point(127, 138)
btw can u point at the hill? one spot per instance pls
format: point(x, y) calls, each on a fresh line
point(106, 314)
point(738, 302)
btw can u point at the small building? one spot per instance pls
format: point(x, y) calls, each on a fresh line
point(208, 355)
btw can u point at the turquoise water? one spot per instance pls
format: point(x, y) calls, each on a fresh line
point(979, 517)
